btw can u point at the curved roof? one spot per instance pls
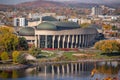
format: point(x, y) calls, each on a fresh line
point(95, 26)
point(49, 18)
point(27, 31)
point(46, 26)
point(57, 25)
point(65, 24)
point(77, 31)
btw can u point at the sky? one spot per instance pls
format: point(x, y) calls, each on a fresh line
point(13, 1)
point(85, 1)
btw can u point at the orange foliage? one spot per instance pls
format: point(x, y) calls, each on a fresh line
point(107, 27)
point(108, 46)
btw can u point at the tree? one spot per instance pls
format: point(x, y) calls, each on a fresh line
point(22, 43)
point(107, 27)
point(8, 40)
point(108, 46)
point(4, 56)
point(15, 55)
point(114, 28)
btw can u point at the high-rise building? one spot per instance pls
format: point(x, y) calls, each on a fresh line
point(96, 11)
point(20, 22)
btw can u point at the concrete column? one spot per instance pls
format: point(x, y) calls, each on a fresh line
point(83, 41)
point(59, 41)
point(63, 42)
point(68, 41)
point(63, 69)
point(68, 69)
point(72, 41)
point(53, 71)
point(36, 41)
point(53, 39)
point(58, 70)
point(72, 68)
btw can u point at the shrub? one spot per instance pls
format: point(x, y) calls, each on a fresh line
point(108, 46)
point(15, 55)
point(34, 51)
point(23, 45)
point(4, 56)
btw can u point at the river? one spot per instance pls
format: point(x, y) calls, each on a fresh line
point(72, 71)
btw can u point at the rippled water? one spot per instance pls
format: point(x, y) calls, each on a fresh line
point(81, 71)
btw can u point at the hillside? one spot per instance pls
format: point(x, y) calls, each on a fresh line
point(40, 3)
point(43, 3)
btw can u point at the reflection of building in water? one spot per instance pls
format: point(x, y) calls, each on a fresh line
point(67, 68)
point(79, 67)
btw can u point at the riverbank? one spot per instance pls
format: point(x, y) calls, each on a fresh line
point(12, 66)
point(81, 55)
point(67, 57)
point(48, 62)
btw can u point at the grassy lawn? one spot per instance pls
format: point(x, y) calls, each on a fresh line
point(69, 56)
point(90, 55)
point(72, 56)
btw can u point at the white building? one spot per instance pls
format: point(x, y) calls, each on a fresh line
point(20, 22)
point(34, 15)
point(82, 21)
point(73, 20)
point(96, 11)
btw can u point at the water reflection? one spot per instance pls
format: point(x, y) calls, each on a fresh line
point(109, 68)
point(71, 71)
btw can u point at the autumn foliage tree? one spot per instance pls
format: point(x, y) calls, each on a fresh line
point(107, 27)
point(108, 46)
point(8, 40)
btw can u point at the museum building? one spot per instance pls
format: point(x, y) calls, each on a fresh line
point(57, 34)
